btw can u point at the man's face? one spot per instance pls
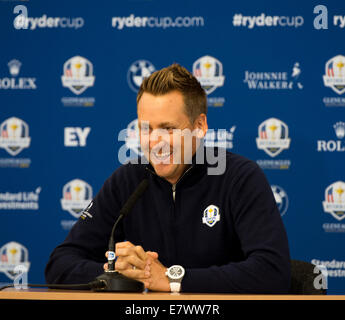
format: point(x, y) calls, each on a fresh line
point(161, 119)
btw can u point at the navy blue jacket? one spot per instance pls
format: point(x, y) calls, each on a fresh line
point(246, 251)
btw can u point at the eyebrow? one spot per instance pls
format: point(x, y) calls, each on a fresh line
point(163, 125)
point(166, 124)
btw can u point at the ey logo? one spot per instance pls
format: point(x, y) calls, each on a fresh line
point(76, 136)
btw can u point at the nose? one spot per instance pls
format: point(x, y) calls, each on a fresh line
point(159, 138)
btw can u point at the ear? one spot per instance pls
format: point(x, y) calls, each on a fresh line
point(201, 124)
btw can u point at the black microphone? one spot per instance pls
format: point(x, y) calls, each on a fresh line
point(111, 280)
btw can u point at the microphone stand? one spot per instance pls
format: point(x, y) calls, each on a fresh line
point(112, 280)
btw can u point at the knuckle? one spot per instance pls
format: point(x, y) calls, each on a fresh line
point(138, 248)
point(122, 252)
point(132, 260)
point(124, 244)
point(119, 245)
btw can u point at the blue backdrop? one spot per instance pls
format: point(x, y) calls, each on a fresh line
point(274, 72)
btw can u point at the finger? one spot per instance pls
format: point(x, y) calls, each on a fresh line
point(121, 265)
point(152, 254)
point(106, 254)
point(137, 251)
point(125, 251)
point(124, 244)
point(140, 252)
point(136, 274)
point(105, 266)
point(130, 262)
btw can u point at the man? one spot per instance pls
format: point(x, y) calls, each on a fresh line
point(221, 230)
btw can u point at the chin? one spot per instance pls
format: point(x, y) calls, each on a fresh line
point(164, 170)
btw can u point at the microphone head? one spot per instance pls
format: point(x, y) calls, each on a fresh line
point(134, 197)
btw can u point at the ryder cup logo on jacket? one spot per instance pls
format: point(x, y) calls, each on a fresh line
point(77, 74)
point(209, 72)
point(14, 135)
point(335, 200)
point(77, 195)
point(273, 136)
point(12, 255)
point(335, 74)
point(137, 72)
point(211, 215)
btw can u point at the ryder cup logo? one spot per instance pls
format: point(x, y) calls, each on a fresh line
point(335, 200)
point(281, 199)
point(211, 215)
point(133, 137)
point(209, 72)
point(335, 74)
point(77, 74)
point(273, 137)
point(137, 72)
point(12, 255)
point(14, 135)
point(77, 195)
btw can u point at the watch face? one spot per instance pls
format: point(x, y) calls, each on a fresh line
point(176, 272)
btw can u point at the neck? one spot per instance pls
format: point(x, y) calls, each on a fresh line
point(178, 177)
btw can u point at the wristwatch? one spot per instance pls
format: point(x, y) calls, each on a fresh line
point(175, 275)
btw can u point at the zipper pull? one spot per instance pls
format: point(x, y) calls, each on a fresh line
point(173, 190)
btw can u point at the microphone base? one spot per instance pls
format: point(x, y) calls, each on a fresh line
point(116, 282)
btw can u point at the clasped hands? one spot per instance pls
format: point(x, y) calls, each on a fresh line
point(136, 263)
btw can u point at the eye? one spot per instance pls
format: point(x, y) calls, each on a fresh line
point(170, 129)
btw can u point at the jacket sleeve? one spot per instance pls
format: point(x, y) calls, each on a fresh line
point(259, 227)
point(80, 258)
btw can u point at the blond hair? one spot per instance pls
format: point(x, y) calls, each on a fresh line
point(176, 77)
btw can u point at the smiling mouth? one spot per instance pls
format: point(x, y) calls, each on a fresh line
point(161, 156)
point(161, 153)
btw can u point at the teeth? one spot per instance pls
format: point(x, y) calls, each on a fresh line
point(162, 155)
